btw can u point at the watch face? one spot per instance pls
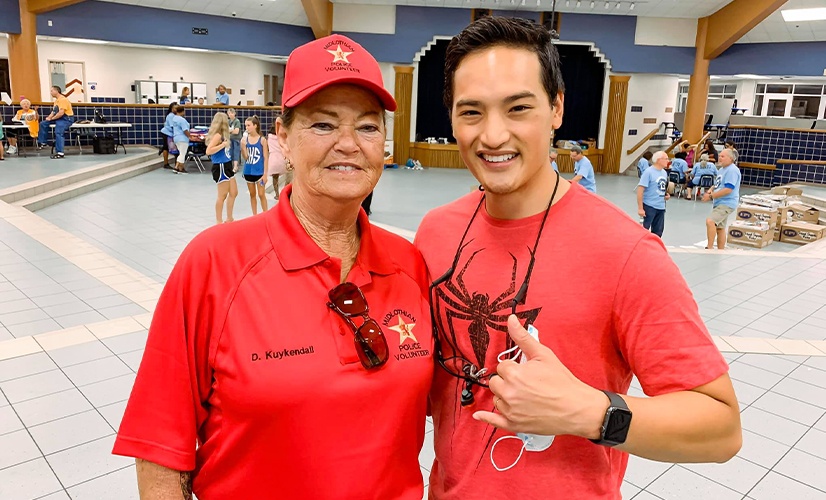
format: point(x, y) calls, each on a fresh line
point(618, 424)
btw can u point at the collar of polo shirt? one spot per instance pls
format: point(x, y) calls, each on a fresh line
point(296, 250)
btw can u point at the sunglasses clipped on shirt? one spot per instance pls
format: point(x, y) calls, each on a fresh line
point(348, 301)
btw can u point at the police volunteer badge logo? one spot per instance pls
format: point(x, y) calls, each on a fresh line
point(340, 50)
point(403, 322)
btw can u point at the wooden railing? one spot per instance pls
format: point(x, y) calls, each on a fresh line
point(643, 140)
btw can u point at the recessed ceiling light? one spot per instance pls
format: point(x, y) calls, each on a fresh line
point(632, 6)
point(83, 40)
point(795, 15)
point(578, 3)
point(751, 77)
point(606, 5)
point(188, 49)
point(592, 4)
point(617, 6)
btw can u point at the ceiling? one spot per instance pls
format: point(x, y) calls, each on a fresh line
point(773, 29)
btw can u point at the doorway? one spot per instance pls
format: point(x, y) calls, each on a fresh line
point(71, 77)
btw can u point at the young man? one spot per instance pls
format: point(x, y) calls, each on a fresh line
point(583, 170)
point(511, 256)
point(725, 195)
point(62, 117)
point(651, 194)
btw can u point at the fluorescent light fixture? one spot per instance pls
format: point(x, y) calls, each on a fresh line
point(751, 77)
point(83, 40)
point(715, 77)
point(578, 3)
point(632, 6)
point(618, 5)
point(795, 15)
point(188, 49)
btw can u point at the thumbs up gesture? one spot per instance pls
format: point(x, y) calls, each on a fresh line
point(542, 396)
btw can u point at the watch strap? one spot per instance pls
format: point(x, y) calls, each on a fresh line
point(616, 400)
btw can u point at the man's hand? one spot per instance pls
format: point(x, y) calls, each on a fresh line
point(542, 396)
point(667, 196)
point(707, 196)
point(641, 212)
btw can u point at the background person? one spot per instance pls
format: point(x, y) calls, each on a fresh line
point(701, 168)
point(583, 170)
point(218, 146)
point(235, 134)
point(180, 135)
point(725, 195)
point(222, 97)
point(185, 99)
point(167, 133)
point(25, 115)
point(644, 163)
point(277, 164)
point(62, 116)
point(553, 156)
point(651, 194)
point(256, 157)
point(276, 393)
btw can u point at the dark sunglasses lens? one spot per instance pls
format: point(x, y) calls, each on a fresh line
point(371, 345)
point(349, 299)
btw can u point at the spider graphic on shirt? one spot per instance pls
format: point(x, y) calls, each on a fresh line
point(485, 316)
point(478, 308)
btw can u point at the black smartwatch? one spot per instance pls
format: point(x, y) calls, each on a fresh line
point(616, 423)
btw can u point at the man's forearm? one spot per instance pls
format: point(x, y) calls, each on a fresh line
point(639, 197)
point(576, 178)
point(156, 482)
point(684, 427)
point(720, 193)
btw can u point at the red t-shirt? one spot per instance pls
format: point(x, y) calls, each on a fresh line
point(602, 292)
point(245, 358)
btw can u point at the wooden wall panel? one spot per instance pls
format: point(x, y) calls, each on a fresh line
point(617, 104)
point(401, 120)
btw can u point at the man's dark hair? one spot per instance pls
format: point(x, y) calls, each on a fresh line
point(648, 155)
point(495, 31)
point(681, 155)
point(57, 87)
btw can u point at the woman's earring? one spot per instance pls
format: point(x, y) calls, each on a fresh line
point(289, 165)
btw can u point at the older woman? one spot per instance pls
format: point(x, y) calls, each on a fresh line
point(329, 400)
point(27, 116)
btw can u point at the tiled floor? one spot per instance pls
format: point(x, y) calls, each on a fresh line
point(37, 164)
point(91, 267)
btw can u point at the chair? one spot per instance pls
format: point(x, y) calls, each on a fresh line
point(706, 181)
point(679, 187)
point(196, 150)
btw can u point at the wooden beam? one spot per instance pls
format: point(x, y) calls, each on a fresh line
point(44, 6)
point(24, 74)
point(320, 15)
point(729, 24)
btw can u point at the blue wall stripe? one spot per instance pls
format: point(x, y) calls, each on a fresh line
point(9, 16)
point(132, 24)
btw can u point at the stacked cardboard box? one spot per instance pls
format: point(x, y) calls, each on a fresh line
point(802, 232)
point(781, 210)
point(753, 234)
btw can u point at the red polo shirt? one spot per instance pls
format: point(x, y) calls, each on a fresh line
point(245, 358)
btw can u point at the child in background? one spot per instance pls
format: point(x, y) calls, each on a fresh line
point(167, 134)
point(218, 144)
point(235, 138)
point(180, 134)
point(277, 164)
point(255, 152)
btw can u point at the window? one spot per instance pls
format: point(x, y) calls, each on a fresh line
point(790, 100)
point(716, 91)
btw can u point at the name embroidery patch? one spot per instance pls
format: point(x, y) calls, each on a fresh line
point(282, 354)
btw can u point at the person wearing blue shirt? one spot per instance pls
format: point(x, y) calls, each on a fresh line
point(222, 97)
point(644, 163)
point(583, 170)
point(725, 194)
point(651, 194)
point(553, 155)
point(701, 168)
point(679, 165)
point(180, 136)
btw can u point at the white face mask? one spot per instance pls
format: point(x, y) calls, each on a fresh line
point(530, 442)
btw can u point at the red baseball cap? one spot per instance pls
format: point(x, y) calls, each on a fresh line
point(328, 61)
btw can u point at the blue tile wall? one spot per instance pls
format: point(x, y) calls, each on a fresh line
point(148, 121)
point(766, 146)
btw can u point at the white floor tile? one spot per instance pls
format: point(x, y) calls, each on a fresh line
point(68, 432)
point(87, 461)
point(28, 480)
point(681, 484)
point(55, 406)
point(35, 386)
point(121, 484)
point(17, 447)
point(97, 371)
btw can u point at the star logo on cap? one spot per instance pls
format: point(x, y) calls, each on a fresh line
point(340, 55)
point(405, 331)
